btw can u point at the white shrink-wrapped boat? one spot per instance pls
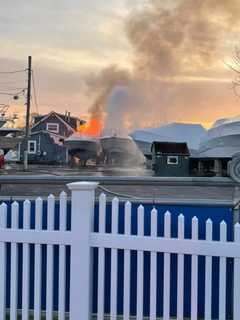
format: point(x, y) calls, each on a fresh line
point(222, 140)
point(83, 147)
point(222, 143)
point(121, 150)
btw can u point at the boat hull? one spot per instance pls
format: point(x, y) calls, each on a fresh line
point(84, 150)
point(220, 147)
point(121, 151)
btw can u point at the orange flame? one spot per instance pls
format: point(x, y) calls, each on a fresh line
point(92, 128)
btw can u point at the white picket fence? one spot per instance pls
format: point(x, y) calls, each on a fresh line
point(82, 239)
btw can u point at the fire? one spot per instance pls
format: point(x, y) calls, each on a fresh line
point(91, 128)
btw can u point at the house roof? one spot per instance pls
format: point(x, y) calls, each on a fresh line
point(48, 132)
point(63, 116)
point(57, 116)
point(180, 148)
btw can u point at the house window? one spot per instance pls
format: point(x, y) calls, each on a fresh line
point(172, 160)
point(32, 146)
point(53, 127)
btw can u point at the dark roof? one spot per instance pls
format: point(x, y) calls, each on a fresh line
point(175, 148)
point(70, 120)
point(46, 132)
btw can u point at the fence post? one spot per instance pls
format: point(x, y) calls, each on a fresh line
point(82, 214)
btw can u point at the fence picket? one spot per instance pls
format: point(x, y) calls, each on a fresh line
point(82, 216)
point(126, 285)
point(81, 244)
point(14, 264)
point(26, 255)
point(49, 284)
point(166, 273)
point(222, 275)
point(113, 304)
point(38, 262)
point(236, 289)
point(62, 258)
point(101, 257)
point(180, 271)
point(153, 271)
point(140, 224)
point(194, 275)
point(208, 275)
point(3, 225)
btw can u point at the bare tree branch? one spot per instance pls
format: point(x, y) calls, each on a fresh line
point(235, 67)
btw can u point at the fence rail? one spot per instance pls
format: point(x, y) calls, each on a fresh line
point(37, 236)
point(20, 245)
point(167, 246)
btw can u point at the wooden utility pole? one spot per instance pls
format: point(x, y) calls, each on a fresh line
point(28, 104)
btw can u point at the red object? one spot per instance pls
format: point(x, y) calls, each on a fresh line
point(2, 161)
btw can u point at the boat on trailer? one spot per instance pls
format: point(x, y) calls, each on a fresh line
point(221, 144)
point(121, 150)
point(84, 148)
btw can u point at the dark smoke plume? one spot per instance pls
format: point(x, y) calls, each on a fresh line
point(174, 43)
point(102, 84)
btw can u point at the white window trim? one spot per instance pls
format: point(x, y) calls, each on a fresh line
point(35, 146)
point(53, 124)
point(170, 163)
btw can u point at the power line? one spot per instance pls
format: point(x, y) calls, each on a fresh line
point(7, 83)
point(12, 93)
point(13, 71)
point(34, 92)
point(6, 93)
point(10, 89)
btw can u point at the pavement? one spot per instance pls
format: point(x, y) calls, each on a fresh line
point(17, 169)
point(135, 184)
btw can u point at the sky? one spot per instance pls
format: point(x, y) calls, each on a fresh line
point(174, 52)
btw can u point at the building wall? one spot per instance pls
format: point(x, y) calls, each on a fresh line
point(47, 150)
point(163, 169)
point(64, 130)
point(73, 121)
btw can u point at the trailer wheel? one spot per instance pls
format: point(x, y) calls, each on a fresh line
point(234, 168)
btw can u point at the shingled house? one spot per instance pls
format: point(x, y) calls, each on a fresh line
point(45, 144)
point(170, 159)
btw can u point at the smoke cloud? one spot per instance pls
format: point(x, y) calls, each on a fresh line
point(101, 85)
point(118, 118)
point(173, 44)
